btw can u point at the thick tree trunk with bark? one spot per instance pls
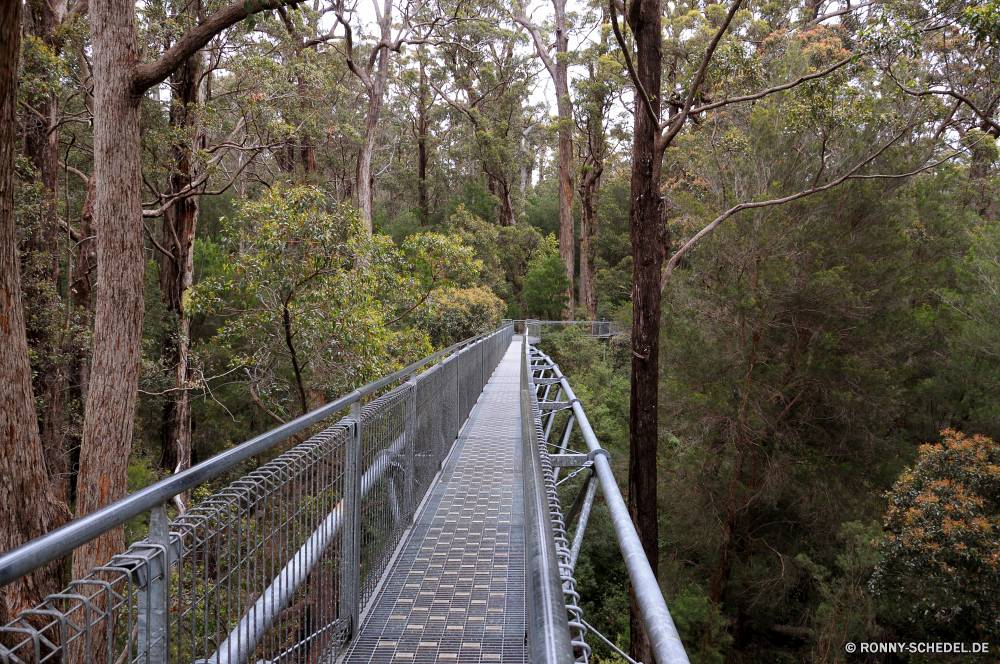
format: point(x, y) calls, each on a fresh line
point(558, 69)
point(29, 505)
point(177, 274)
point(648, 236)
point(120, 80)
point(108, 418)
point(567, 230)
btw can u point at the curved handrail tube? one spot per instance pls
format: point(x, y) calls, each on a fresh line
point(548, 624)
point(660, 627)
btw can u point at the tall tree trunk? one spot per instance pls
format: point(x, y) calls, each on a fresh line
point(567, 231)
point(589, 191)
point(110, 409)
point(559, 71)
point(177, 274)
point(648, 236)
point(376, 95)
point(28, 506)
point(41, 144)
point(594, 148)
point(423, 124)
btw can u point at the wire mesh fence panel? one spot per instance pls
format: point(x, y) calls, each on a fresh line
point(463, 386)
point(256, 572)
point(243, 547)
point(384, 513)
point(431, 429)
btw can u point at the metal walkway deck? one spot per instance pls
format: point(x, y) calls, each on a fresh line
point(455, 592)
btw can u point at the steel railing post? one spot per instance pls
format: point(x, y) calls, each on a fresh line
point(458, 392)
point(152, 620)
point(351, 560)
point(411, 443)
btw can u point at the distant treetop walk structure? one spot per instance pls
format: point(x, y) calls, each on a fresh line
point(423, 526)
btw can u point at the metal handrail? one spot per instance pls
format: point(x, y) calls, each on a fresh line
point(548, 625)
point(663, 636)
point(62, 541)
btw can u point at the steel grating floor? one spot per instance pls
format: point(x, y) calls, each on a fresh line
point(455, 593)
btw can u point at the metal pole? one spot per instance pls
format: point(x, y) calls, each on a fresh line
point(581, 527)
point(411, 443)
point(351, 577)
point(667, 646)
point(152, 629)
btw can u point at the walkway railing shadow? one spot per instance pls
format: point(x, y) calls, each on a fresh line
point(276, 566)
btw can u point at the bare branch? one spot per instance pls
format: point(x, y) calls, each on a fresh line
point(841, 12)
point(156, 244)
point(949, 92)
point(536, 36)
point(77, 172)
point(778, 88)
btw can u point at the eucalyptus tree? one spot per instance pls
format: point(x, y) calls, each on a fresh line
point(312, 301)
point(122, 78)
point(596, 94)
point(557, 66)
point(485, 79)
point(209, 144)
point(418, 24)
point(29, 505)
point(715, 66)
point(948, 51)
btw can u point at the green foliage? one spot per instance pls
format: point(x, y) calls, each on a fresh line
point(452, 315)
point(543, 289)
point(701, 626)
point(942, 551)
point(309, 300)
point(507, 253)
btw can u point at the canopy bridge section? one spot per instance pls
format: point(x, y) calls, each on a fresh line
point(425, 525)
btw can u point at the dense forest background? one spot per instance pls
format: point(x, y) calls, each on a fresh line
point(218, 217)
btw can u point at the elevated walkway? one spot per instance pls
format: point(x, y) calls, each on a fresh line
point(455, 591)
point(420, 521)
